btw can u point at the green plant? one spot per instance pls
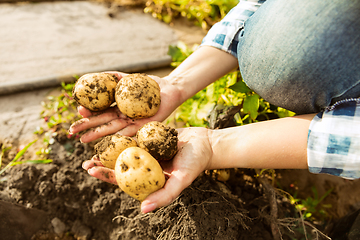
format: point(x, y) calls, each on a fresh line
point(203, 12)
point(57, 111)
point(60, 109)
point(311, 207)
point(230, 90)
point(18, 156)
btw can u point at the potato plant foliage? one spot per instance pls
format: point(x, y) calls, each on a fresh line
point(204, 13)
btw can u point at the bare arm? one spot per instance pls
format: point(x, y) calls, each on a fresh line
point(274, 144)
point(203, 67)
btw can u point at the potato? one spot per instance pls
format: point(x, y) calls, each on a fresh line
point(138, 173)
point(158, 139)
point(95, 91)
point(110, 147)
point(138, 96)
point(222, 175)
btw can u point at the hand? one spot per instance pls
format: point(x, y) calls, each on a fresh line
point(111, 120)
point(194, 157)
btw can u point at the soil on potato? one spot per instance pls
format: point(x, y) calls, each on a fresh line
point(159, 140)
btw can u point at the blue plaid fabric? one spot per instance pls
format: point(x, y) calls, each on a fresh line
point(334, 140)
point(223, 35)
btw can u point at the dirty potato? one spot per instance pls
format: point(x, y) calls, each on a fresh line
point(95, 91)
point(110, 147)
point(158, 139)
point(138, 96)
point(138, 173)
point(222, 175)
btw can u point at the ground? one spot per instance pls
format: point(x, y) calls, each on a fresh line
point(60, 200)
point(74, 205)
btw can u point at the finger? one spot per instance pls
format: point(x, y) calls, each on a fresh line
point(119, 75)
point(111, 127)
point(129, 130)
point(84, 112)
point(173, 187)
point(103, 173)
point(94, 121)
point(94, 162)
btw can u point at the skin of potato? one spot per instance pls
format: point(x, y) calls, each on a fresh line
point(158, 139)
point(222, 175)
point(110, 147)
point(138, 96)
point(138, 174)
point(95, 91)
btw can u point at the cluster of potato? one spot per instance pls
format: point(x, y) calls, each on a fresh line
point(136, 95)
point(135, 161)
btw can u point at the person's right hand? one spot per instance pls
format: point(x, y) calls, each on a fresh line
point(110, 121)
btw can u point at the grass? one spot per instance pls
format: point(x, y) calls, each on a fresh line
point(15, 160)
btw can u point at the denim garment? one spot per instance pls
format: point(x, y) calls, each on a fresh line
point(302, 55)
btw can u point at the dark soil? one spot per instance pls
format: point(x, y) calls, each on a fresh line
point(78, 206)
point(160, 140)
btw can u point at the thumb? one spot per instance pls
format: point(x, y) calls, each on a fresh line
point(177, 182)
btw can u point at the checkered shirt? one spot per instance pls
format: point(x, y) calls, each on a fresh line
point(223, 35)
point(334, 140)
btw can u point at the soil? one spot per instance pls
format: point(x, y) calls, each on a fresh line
point(78, 206)
point(109, 148)
point(159, 140)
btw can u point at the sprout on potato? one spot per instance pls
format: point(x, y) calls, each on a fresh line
point(138, 96)
point(95, 91)
point(110, 147)
point(158, 139)
point(138, 173)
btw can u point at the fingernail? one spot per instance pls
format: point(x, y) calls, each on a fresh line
point(83, 166)
point(89, 171)
point(147, 207)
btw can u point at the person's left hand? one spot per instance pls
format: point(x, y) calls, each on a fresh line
point(193, 157)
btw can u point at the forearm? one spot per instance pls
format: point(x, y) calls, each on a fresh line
point(203, 67)
point(274, 144)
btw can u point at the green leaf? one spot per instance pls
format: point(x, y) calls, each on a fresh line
point(18, 155)
point(251, 105)
point(21, 152)
point(32, 161)
point(240, 87)
point(167, 18)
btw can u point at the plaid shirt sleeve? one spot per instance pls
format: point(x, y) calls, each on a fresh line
point(334, 140)
point(223, 35)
